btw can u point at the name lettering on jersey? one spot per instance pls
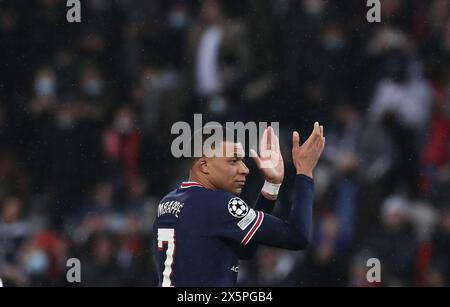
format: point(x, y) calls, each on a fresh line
point(170, 207)
point(247, 220)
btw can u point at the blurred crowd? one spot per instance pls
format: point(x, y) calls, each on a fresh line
point(86, 110)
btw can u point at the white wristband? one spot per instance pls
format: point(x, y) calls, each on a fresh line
point(271, 188)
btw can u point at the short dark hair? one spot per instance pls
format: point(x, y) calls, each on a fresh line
point(228, 135)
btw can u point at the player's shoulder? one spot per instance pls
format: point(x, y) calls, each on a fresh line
point(171, 196)
point(226, 203)
point(200, 192)
point(210, 196)
point(210, 201)
point(222, 197)
point(220, 194)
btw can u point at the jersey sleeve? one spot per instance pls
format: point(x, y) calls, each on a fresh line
point(295, 232)
point(233, 219)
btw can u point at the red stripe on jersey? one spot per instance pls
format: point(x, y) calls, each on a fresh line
point(253, 230)
point(191, 184)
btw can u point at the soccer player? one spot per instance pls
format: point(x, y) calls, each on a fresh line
point(203, 227)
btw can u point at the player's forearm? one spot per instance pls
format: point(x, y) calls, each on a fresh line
point(294, 233)
point(264, 203)
point(300, 217)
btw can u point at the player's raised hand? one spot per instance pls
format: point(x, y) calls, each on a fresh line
point(269, 161)
point(305, 157)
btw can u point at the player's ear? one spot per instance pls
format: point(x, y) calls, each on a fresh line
point(203, 165)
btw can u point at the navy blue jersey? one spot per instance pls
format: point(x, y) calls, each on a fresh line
point(199, 233)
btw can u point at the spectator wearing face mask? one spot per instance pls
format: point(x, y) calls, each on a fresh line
point(43, 258)
point(45, 91)
point(13, 229)
point(401, 88)
point(40, 121)
point(121, 144)
point(438, 273)
point(394, 243)
point(324, 263)
point(101, 265)
point(343, 158)
point(95, 94)
point(159, 99)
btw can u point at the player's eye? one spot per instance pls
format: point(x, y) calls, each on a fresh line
point(234, 160)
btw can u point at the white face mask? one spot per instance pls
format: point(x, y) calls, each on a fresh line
point(151, 82)
point(44, 86)
point(93, 87)
point(313, 7)
point(36, 262)
point(123, 124)
point(333, 43)
point(178, 19)
point(217, 105)
point(64, 120)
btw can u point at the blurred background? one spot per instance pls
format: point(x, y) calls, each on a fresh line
point(86, 110)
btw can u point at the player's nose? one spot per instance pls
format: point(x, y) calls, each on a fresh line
point(244, 169)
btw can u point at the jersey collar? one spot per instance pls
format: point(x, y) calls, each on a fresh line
point(190, 184)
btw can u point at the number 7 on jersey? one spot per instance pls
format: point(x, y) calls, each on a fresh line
point(166, 236)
